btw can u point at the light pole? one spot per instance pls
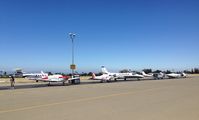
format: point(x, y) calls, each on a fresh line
point(72, 66)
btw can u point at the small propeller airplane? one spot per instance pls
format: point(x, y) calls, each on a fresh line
point(176, 75)
point(146, 75)
point(102, 78)
point(48, 78)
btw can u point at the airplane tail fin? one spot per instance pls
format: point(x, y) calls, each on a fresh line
point(93, 76)
point(143, 73)
point(44, 76)
point(183, 74)
point(104, 70)
point(42, 73)
point(163, 74)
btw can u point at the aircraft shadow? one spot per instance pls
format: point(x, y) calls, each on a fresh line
point(83, 82)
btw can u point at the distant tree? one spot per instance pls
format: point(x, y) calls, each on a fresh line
point(50, 73)
point(63, 74)
point(168, 72)
point(187, 71)
point(69, 74)
point(90, 74)
point(60, 73)
point(192, 71)
point(157, 71)
point(98, 74)
point(138, 72)
point(124, 71)
point(196, 70)
point(147, 71)
point(84, 74)
point(5, 73)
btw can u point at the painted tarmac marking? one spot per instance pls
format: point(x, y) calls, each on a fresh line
point(74, 101)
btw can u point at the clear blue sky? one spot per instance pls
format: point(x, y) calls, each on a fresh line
point(133, 34)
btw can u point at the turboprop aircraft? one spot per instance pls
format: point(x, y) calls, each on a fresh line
point(121, 75)
point(176, 75)
point(102, 78)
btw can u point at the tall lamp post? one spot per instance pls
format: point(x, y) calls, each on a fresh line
point(72, 66)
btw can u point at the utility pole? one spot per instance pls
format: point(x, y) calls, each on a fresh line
point(72, 66)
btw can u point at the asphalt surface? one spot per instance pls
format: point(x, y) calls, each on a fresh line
point(169, 99)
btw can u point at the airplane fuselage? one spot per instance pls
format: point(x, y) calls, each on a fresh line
point(174, 75)
point(125, 75)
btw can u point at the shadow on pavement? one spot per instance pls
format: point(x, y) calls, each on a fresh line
point(83, 82)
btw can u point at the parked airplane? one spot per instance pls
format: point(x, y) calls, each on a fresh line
point(146, 75)
point(49, 78)
point(158, 75)
point(176, 75)
point(121, 75)
point(34, 75)
point(102, 78)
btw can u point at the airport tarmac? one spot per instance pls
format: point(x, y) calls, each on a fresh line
point(169, 99)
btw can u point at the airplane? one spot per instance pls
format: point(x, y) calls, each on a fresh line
point(159, 75)
point(146, 75)
point(32, 75)
point(176, 75)
point(121, 75)
point(102, 78)
point(49, 78)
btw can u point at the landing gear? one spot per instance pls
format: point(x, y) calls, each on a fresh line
point(63, 83)
point(48, 83)
point(102, 81)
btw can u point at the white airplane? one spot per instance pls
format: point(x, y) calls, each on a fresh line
point(176, 75)
point(102, 78)
point(158, 75)
point(146, 75)
point(121, 75)
point(33, 75)
point(49, 78)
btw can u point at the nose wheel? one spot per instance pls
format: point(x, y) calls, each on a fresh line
point(48, 83)
point(64, 83)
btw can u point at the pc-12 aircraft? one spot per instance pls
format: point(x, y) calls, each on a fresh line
point(121, 75)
